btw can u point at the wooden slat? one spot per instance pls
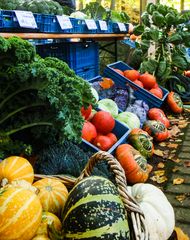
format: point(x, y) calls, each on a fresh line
point(102, 37)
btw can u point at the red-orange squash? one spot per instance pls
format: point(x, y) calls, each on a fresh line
point(16, 168)
point(159, 115)
point(89, 132)
point(20, 213)
point(148, 80)
point(132, 74)
point(134, 164)
point(52, 194)
point(103, 122)
point(156, 129)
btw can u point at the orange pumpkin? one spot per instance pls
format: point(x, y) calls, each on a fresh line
point(20, 213)
point(52, 194)
point(16, 168)
point(49, 221)
point(134, 164)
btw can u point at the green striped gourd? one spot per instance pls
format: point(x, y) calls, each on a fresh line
point(94, 210)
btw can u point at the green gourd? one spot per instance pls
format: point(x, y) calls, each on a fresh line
point(94, 210)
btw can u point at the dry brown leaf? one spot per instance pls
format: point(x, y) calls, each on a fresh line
point(158, 152)
point(174, 131)
point(180, 234)
point(173, 151)
point(171, 156)
point(176, 160)
point(178, 181)
point(175, 169)
point(187, 163)
point(181, 197)
point(160, 165)
point(159, 179)
point(159, 172)
point(172, 145)
point(162, 144)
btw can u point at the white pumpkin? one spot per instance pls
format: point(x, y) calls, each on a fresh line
point(159, 214)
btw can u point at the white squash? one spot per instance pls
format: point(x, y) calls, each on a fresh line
point(159, 214)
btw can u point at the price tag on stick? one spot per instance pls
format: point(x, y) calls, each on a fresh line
point(122, 27)
point(103, 25)
point(64, 22)
point(91, 24)
point(26, 19)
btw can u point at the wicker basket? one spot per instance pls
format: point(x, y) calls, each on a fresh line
point(133, 212)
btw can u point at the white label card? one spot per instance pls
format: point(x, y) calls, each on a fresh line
point(122, 27)
point(26, 19)
point(64, 22)
point(91, 24)
point(103, 25)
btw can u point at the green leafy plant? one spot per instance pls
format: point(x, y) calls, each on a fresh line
point(167, 32)
point(40, 99)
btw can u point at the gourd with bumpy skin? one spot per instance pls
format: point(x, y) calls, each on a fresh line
point(16, 168)
point(52, 195)
point(174, 102)
point(94, 210)
point(141, 141)
point(156, 129)
point(133, 163)
point(20, 213)
point(158, 115)
point(159, 214)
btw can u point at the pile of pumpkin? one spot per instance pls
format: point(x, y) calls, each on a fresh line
point(44, 209)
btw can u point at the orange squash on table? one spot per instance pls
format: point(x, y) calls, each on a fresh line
point(20, 213)
point(134, 164)
point(16, 168)
point(52, 194)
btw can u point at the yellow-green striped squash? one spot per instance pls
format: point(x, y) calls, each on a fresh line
point(52, 194)
point(20, 213)
point(95, 211)
point(16, 168)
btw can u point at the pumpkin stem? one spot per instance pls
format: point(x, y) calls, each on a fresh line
point(4, 182)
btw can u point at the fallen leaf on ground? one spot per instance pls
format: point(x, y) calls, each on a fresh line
point(178, 140)
point(176, 160)
point(171, 156)
point(175, 169)
point(160, 165)
point(180, 234)
point(173, 151)
point(181, 197)
point(159, 179)
point(187, 163)
point(174, 131)
point(172, 145)
point(181, 134)
point(162, 144)
point(182, 124)
point(178, 181)
point(158, 152)
point(159, 172)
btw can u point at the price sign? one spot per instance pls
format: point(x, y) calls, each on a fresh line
point(122, 27)
point(64, 22)
point(103, 25)
point(91, 24)
point(26, 19)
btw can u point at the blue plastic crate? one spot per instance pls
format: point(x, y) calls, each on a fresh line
point(140, 93)
point(129, 42)
point(79, 56)
point(88, 72)
point(8, 21)
point(120, 130)
point(188, 51)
